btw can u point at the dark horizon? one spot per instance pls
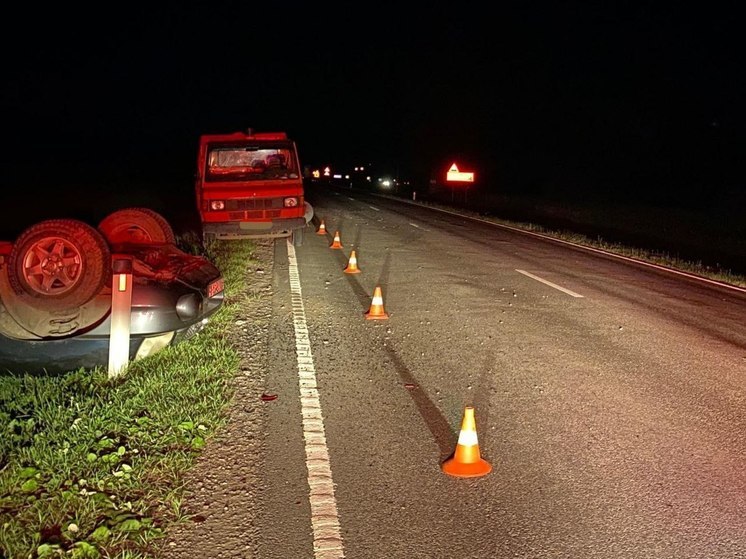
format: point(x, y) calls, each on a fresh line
point(609, 104)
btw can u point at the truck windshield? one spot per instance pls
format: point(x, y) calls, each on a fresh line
point(250, 163)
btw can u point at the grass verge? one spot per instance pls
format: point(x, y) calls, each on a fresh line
point(651, 256)
point(92, 467)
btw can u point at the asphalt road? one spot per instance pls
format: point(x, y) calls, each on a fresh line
point(610, 397)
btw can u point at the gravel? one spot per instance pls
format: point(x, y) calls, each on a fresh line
point(222, 490)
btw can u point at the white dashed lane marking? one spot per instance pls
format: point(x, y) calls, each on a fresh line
point(549, 283)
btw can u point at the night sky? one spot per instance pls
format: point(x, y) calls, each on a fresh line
point(552, 99)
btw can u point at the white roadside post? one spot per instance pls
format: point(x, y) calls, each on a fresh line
point(121, 304)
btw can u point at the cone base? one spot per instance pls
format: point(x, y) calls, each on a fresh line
point(352, 271)
point(370, 316)
point(461, 469)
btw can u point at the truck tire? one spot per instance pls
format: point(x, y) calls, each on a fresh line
point(136, 226)
point(59, 264)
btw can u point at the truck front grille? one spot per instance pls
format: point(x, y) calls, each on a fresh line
point(255, 208)
point(249, 204)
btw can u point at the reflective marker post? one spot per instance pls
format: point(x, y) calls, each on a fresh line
point(121, 305)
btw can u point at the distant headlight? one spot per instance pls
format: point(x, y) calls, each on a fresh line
point(290, 202)
point(189, 306)
point(217, 205)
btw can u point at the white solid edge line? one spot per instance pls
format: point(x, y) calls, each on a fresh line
point(549, 283)
point(327, 535)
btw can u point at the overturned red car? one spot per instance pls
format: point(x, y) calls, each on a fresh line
point(56, 286)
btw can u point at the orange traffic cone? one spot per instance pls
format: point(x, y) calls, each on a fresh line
point(336, 243)
point(352, 265)
point(322, 229)
point(376, 307)
point(466, 461)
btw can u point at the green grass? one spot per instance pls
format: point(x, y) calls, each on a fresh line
point(93, 467)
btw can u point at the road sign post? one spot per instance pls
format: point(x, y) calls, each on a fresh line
point(455, 176)
point(121, 307)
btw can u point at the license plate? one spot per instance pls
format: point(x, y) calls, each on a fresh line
point(215, 287)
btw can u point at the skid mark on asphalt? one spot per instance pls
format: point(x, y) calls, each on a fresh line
point(442, 432)
point(327, 537)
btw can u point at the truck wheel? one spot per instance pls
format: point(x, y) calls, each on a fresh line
point(59, 264)
point(136, 226)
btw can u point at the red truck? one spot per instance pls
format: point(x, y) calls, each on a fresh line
point(250, 185)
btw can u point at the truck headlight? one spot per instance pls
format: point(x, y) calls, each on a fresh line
point(217, 205)
point(290, 202)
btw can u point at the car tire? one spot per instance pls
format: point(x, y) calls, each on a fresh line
point(136, 226)
point(59, 264)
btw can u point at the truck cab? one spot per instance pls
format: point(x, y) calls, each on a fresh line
point(250, 185)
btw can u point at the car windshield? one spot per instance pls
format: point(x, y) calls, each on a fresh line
point(242, 163)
